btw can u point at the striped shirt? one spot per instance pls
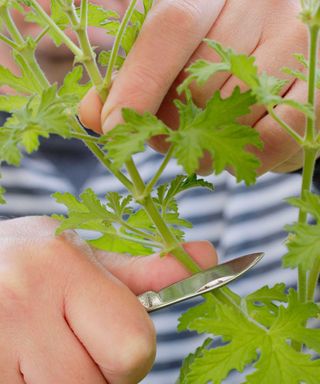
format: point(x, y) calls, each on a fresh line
point(236, 219)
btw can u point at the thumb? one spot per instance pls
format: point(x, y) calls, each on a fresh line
point(153, 272)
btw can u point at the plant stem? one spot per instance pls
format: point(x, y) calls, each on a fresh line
point(85, 137)
point(312, 79)
point(9, 42)
point(49, 21)
point(11, 27)
point(96, 150)
point(88, 55)
point(137, 231)
point(313, 281)
point(310, 154)
point(24, 52)
point(139, 241)
point(116, 45)
point(170, 241)
point(285, 126)
point(41, 35)
point(162, 167)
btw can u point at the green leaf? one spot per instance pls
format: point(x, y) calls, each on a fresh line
point(139, 128)
point(216, 130)
point(266, 294)
point(303, 246)
point(86, 213)
point(12, 103)
point(21, 84)
point(118, 204)
point(167, 192)
point(115, 242)
point(104, 58)
point(99, 16)
point(309, 203)
point(185, 369)
point(43, 115)
point(265, 88)
point(71, 84)
point(304, 239)
point(268, 349)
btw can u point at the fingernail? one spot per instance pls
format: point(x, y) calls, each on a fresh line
point(111, 120)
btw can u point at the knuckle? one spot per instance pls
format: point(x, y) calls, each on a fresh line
point(13, 298)
point(137, 352)
point(184, 14)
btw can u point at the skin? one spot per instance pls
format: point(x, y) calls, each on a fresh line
point(269, 30)
point(70, 314)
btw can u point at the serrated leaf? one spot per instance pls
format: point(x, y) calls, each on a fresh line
point(104, 57)
point(71, 84)
point(21, 84)
point(276, 361)
point(99, 16)
point(114, 242)
point(139, 128)
point(86, 213)
point(12, 102)
point(269, 294)
point(215, 129)
point(309, 203)
point(190, 359)
point(118, 204)
point(43, 115)
point(303, 246)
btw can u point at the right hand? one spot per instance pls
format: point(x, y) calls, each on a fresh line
point(69, 314)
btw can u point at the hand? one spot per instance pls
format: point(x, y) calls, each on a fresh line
point(171, 40)
point(69, 314)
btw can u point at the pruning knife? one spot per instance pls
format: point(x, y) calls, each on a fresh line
point(199, 283)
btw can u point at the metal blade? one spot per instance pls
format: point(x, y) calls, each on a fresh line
point(199, 283)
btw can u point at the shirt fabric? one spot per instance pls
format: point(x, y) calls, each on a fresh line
point(235, 218)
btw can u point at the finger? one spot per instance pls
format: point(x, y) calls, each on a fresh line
point(169, 36)
point(271, 57)
point(278, 145)
point(141, 274)
point(54, 355)
point(10, 367)
point(233, 34)
point(292, 164)
point(90, 109)
point(110, 322)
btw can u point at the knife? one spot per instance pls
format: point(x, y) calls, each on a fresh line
point(199, 283)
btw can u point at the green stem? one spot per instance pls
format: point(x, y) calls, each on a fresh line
point(116, 46)
point(88, 55)
point(10, 25)
point(139, 241)
point(312, 79)
point(313, 280)
point(96, 150)
point(9, 42)
point(138, 232)
point(285, 126)
point(170, 241)
point(49, 21)
point(308, 167)
point(41, 35)
point(162, 167)
point(26, 53)
point(310, 154)
point(86, 137)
